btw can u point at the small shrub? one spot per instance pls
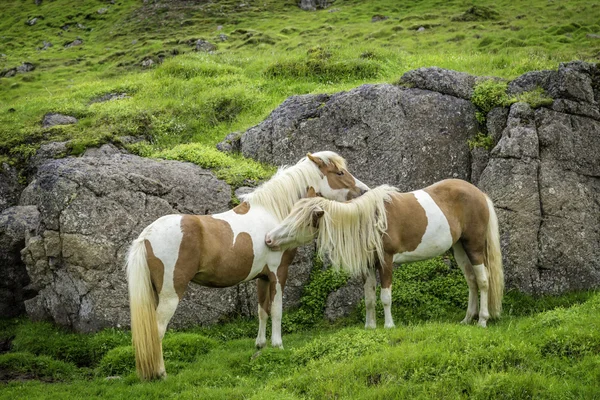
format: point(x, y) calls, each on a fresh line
point(489, 94)
point(477, 13)
point(341, 346)
point(118, 361)
point(186, 347)
point(15, 365)
point(536, 98)
point(481, 140)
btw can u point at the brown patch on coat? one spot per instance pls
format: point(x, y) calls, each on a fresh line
point(156, 267)
point(267, 280)
point(208, 255)
point(466, 210)
point(242, 208)
point(407, 222)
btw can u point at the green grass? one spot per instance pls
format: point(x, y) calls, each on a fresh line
point(552, 354)
point(273, 50)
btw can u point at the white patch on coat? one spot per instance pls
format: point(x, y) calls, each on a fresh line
point(437, 237)
point(256, 223)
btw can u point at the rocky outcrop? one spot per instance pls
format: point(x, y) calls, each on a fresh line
point(52, 119)
point(16, 223)
point(543, 172)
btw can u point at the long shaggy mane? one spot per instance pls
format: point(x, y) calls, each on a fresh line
point(349, 233)
point(289, 184)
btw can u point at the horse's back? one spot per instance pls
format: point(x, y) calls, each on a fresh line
point(464, 205)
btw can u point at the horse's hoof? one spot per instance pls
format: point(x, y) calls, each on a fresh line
point(260, 344)
point(389, 326)
point(482, 324)
point(277, 345)
point(370, 326)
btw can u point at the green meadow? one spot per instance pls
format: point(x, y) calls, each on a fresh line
point(187, 101)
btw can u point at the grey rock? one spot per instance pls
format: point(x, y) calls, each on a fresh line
point(16, 223)
point(313, 5)
point(205, 46)
point(242, 191)
point(529, 81)
point(46, 45)
point(76, 42)
point(231, 143)
point(519, 138)
point(147, 63)
point(421, 29)
point(593, 36)
point(10, 187)
point(423, 134)
point(223, 37)
point(377, 18)
point(343, 301)
point(496, 121)
point(453, 83)
point(32, 21)
point(25, 67)
point(109, 97)
point(102, 10)
point(105, 150)
point(479, 160)
point(52, 119)
point(577, 108)
point(81, 26)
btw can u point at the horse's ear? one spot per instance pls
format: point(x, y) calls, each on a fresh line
point(316, 217)
point(316, 160)
point(311, 192)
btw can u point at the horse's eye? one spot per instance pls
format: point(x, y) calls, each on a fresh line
point(340, 173)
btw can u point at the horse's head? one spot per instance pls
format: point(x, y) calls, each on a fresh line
point(336, 182)
point(299, 227)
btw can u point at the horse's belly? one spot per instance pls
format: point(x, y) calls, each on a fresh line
point(437, 237)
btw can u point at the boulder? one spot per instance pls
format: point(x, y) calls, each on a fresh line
point(453, 83)
point(91, 208)
point(16, 223)
point(52, 119)
point(422, 134)
point(204, 46)
point(313, 5)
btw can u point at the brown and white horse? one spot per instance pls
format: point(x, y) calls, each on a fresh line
point(223, 250)
point(384, 226)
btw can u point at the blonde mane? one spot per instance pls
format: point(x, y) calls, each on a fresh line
point(279, 194)
point(350, 233)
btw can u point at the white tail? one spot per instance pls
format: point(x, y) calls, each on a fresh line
point(144, 328)
point(493, 262)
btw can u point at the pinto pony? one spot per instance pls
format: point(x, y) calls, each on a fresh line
point(223, 250)
point(384, 226)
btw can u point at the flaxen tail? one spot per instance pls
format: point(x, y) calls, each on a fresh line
point(493, 262)
point(144, 329)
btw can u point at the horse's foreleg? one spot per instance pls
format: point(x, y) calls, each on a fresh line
point(277, 286)
point(465, 265)
point(385, 274)
point(370, 283)
point(264, 304)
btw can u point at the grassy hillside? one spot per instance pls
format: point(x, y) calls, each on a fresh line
point(269, 50)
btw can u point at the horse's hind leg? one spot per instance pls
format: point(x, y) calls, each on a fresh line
point(264, 305)
point(385, 274)
point(474, 250)
point(167, 304)
point(465, 265)
point(370, 283)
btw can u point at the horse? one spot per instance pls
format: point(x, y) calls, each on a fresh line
point(385, 226)
point(223, 250)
